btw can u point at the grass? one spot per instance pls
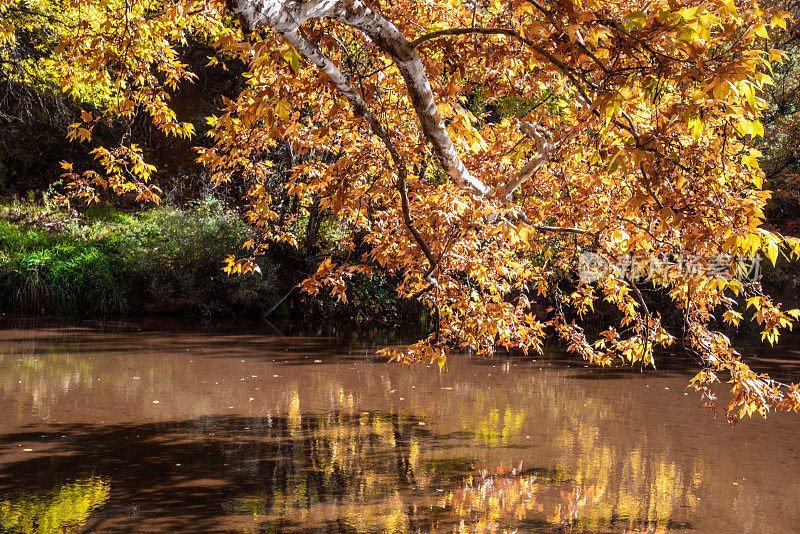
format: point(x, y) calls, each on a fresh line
point(107, 261)
point(167, 260)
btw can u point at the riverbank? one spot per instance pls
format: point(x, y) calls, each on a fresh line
point(105, 261)
point(165, 261)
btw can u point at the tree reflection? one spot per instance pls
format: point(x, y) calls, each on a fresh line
point(62, 510)
point(505, 502)
point(347, 469)
point(346, 445)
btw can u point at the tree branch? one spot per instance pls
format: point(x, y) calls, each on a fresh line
point(340, 80)
point(286, 16)
point(460, 31)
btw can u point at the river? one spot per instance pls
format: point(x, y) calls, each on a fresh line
point(162, 427)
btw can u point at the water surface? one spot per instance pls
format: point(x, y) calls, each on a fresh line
point(128, 428)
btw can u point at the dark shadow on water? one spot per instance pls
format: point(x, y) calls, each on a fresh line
point(330, 472)
point(188, 474)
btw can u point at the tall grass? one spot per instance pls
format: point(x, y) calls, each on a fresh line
point(110, 262)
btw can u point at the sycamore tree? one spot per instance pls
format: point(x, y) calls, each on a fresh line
point(625, 151)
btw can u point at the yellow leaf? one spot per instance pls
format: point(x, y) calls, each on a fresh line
point(777, 56)
point(779, 21)
point(772, 252)
point(284, 110)
point(749, 93)
point(617, 161)
point(291, 57)
point(695, 124)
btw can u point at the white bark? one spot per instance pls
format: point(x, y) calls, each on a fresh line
point(339, 79)
point(286, 16)
point(310, 52)
point(545, 147)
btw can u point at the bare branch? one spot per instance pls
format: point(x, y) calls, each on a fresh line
point(562, 229)
point(461, 31)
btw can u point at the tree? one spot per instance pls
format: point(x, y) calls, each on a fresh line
point(779, 144)
point(625, 139)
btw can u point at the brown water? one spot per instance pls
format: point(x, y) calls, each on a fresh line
point(148, 430)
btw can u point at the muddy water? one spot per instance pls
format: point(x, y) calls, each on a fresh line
point(160, 429)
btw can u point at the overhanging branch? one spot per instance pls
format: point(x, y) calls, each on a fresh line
point(310, 52)
point(286, 16)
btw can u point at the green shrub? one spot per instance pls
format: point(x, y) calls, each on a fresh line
point(167, 260)
point(163, 260)
point(179, 260)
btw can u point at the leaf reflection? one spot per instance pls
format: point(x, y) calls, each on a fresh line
point(504, 501)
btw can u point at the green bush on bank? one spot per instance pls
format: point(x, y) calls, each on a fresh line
point(164, 260)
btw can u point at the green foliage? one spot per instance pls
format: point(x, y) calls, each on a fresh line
point(108, 214)
point(40, 271)
point(167, 260)
point(111, 262)
point(482, 104)
point(177, 256)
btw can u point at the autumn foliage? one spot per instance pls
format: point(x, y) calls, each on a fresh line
point(621, 129)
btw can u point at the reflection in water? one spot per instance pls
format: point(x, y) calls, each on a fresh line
point(543, 498)
point(256, 433)
point(339, 469)
point(64, 509)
